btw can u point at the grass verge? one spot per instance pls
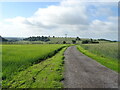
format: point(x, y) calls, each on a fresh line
point(110, 63)
point(47, 74)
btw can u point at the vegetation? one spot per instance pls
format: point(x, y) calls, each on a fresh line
point(60, 40)
point(38, 38)
point(49, 74)
point(78, 39)
point(106, 40)
point(52, 40)
point(106, 53)
point(64, 42)
point(89, 41)
point(3, 39)
point(21, 62)
point(74, 41)
point(18, 57)
point(109, 50)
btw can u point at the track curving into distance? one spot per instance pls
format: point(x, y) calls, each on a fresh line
point(84, 72)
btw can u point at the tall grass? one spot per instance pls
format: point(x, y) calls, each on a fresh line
point(104, 53)
point(18, 57)
point(109, 50)
point(47, 74)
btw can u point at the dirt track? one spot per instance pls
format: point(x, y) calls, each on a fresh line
point(83, 72)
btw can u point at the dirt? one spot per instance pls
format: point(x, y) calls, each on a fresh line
point(84, 72)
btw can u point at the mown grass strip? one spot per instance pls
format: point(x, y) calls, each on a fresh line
point(47, 74)
point(110, 63)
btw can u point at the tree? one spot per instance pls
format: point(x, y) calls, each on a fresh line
point(64, 42)
point(38, 38)
point(85, 41)
point(3, 39)
point(78, 39)
point(91, 40)
point(74, 41)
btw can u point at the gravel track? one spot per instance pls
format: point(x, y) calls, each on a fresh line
point(84, 72)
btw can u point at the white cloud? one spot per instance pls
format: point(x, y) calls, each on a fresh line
point(69, 17)
point(105, 12)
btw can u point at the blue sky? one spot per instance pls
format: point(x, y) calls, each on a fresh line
point(25, 9)
point(86, 20)
point(92, 9)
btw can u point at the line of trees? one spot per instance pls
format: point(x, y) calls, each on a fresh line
point(38, 38)
point(89, 41)
point(3, 39)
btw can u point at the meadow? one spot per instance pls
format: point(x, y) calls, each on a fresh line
point(21, 60)
point(105, 53)
point(109, 50)
point(16, 58)
point(47, 74)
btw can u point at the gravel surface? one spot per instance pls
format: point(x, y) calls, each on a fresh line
point(84, 72)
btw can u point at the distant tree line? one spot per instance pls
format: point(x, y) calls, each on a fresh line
point(38, 38)
point(103, 40)
point(3, 39)
point(89, 41)
point(106, 40)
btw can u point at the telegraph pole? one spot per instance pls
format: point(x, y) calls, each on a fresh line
point(65, 37)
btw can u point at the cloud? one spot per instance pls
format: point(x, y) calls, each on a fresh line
point(70, 16)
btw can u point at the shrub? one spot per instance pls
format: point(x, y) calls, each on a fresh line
point(74, 41)
point(64, 42)
point(85, 41)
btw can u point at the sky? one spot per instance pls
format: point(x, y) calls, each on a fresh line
point(71, 17)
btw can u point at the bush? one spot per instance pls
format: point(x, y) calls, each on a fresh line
point(64, 42)
point(95, 42)
point(85, 41)
point(73, 41)
point(89, 41)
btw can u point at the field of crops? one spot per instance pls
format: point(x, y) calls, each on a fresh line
point(109, 50)
point(16, 58)
point(46, 74)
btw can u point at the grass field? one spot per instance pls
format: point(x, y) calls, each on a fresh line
point(20, 63)
point(16, 58)
point(47, 74)
point(61, 39)
point(56, 40)
point(109, 50)
point(105, 53)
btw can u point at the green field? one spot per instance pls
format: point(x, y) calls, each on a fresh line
point(104, 53)
point(17, 58)
point(47, 74)
point(41, 65)
point(109, 50)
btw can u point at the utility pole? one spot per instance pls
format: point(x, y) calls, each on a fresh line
point(65, 37)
